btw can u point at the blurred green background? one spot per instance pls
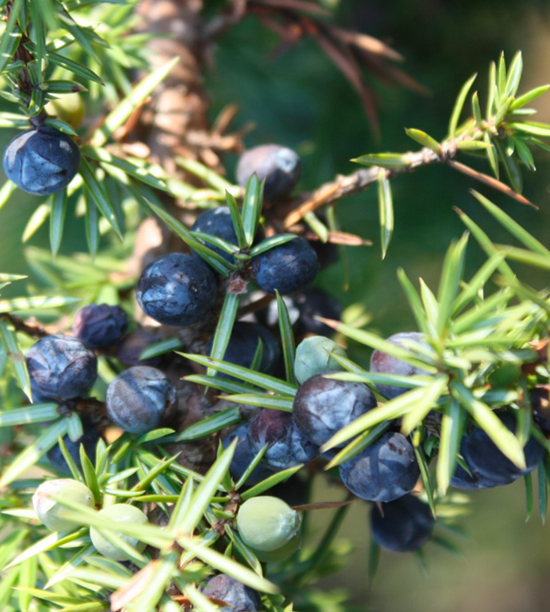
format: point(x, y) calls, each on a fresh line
point(300, 99)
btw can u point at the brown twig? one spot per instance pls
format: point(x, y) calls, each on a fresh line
point(34, 330)
point(347, 185)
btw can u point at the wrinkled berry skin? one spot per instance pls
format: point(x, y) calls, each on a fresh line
point(237, 596)
point(89, 439)
point(100, 326)
point(119, 513)
point(286, 446)
point(243, 457)
point(267, 523)
point(404, 525)
point(243, 344)
point(386, 470)
point(289, 267)
point(314, 356)
point(280, 167)
point(323, 406)
point(482, 454)
point(386, 364)
point(53, 514)
point(177, 289)
point(42, 161)
point(60, 368)
point(139, 399)
point(133, 345)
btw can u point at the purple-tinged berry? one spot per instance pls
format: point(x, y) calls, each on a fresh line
point(236, 596)
point(382, 363)
point(323, 406)
point(278, 166)
point(286, 446)
point(100, 326)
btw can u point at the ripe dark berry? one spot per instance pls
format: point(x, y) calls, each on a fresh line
point(218, 222)
point(278, 166)
point(404, 525)
point(384, 471)
point(243, 456)
point(286, 446)
point(89, 439)
point(42, 161)
point(100, 326)
point(323, 406)
point(485, 458)
point(60, 368)
point(119, 513)
point(177, 289)
point(289, 267)
point(473, 481)
point(237, 596)
point(243, 345)
point(386, 364)
point(132, 346)
point(139, 399)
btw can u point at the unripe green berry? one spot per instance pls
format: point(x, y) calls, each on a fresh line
point(69, 108)
point(267, 523)
point(119, 513)
point(313, 356)
point(50, 512)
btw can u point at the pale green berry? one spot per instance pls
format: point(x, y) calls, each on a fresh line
point(267, 523)
point(50, 512)
point(118, 513)
point(313, 356)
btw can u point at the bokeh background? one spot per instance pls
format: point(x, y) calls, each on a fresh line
point(300, 99)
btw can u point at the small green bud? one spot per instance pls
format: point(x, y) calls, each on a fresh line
point(50, 512)
point(119, 513)
point(267, 523)
point(313, 356)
